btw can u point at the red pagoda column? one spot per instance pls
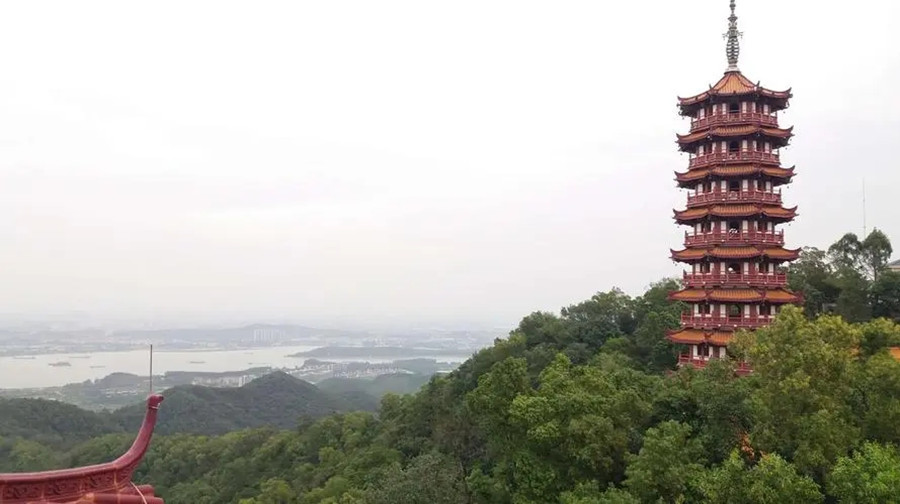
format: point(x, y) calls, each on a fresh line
point(733, 247)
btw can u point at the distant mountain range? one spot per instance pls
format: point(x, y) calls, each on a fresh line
point(275, 400)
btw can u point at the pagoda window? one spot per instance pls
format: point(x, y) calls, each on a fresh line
point(746, 310)
point(745, 185)
point(746, 268)
point(734, 311)
point(765, 310)
point(734, 108)
point(701, 113)
point(733, 147)
point(734, 268)
point(734, 226)
point(744, 145)
point(765, 267)
point(700, 150)
point(766, 108)
point(703, 308)
point(734, 185)
point(768, 147)
point(744, 107)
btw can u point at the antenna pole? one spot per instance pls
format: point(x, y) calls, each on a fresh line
point(151, 368)
point(865, 228)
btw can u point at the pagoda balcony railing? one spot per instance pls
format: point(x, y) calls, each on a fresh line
point(703, 321)
point(740, 157)
point(750, 196)
point(741, 368)
point(734, 118)
point(734, 279)
point(735, 237)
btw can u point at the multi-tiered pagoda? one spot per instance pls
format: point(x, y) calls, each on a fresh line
point(733, 248)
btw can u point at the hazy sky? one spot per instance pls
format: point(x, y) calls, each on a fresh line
point(401, 162)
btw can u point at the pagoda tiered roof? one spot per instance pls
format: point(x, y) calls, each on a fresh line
point(734, 84)
point(699, 254)
point(739, 210)
point(775, 296)
point(108, 483)
point(697, 336)
point(735, 131)
point(781, 175)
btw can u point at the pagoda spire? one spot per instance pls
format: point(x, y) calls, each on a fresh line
point(733, 46)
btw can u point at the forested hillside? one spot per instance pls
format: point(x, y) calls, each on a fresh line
point(582, 407)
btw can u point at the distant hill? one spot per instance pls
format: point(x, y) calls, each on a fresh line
point(52, 423)
point(381, 352)
point(400, 383)
point(275, 400)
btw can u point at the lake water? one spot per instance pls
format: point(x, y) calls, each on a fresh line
point(37, 372)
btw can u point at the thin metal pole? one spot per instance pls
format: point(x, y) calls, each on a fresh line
point(865, 228)
point(151, 368)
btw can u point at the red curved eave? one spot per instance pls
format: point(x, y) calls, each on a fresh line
point(735, 171)
point(100, 483)
point(734, 84)
point(735, 131)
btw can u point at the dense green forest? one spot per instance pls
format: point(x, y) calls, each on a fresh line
point(584, 407)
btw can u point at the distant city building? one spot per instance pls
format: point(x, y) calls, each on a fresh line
point(269, 335)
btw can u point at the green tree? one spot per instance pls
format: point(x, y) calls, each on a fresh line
point(667, 465)
point(431, 478)
point(870, 476)
point(813, 275)
point(876, 251)
point(771, 481)
point(804, 373)
point(885, 295)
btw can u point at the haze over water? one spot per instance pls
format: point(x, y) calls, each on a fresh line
point(37, 372)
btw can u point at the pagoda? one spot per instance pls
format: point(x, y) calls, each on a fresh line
point(733, 248)
point(108, 483)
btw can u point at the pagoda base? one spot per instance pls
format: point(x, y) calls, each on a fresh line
point(697, 362)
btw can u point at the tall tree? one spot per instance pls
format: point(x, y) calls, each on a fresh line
point(876, 252)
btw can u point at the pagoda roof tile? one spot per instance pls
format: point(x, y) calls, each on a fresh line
point(735, 131)
point(734, 171)
point(693, 254)
point(895, 352)
point(734, 83)
point(695, 336)
point(735, 295)
point(739, 210)
point(688, 336)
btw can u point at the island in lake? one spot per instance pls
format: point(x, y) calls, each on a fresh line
point(348, 352)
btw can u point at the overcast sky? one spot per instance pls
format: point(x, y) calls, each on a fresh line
point(394, 162)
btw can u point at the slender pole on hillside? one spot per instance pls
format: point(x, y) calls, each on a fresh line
point(151, 368)
point(865, 229)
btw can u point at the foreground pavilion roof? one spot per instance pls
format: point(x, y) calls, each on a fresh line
point(108, 483)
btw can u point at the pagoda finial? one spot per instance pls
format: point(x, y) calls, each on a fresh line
point(732, 47)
